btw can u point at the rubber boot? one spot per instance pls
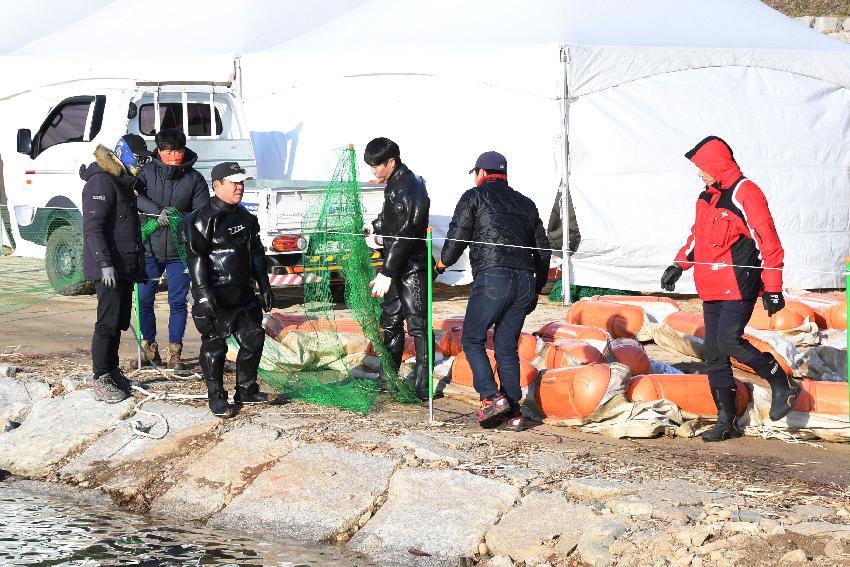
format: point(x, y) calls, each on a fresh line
point(217, 397)
point(248, 391)
point(172, 357)
point(150, 353)
point(727, 417)
point(420, 370)
point(783, 389)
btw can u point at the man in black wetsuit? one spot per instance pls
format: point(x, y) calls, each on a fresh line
point(224, 255)
point(401, 283)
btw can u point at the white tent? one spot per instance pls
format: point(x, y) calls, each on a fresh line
point(602, 96)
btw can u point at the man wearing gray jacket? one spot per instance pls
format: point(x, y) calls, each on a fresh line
point(168, 181)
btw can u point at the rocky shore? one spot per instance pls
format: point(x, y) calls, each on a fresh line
point(401, 491)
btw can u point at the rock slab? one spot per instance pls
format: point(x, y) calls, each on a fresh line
point(540, 517)
point(313, 493)
point(122, 443)
point(442, 515)
point(56, 427)
point(212, 481)
point(17, 397)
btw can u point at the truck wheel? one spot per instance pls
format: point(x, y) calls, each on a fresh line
point(64, 262)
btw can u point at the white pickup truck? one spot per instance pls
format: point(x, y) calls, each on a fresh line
point(43, 187)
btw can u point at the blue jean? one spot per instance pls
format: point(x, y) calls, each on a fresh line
point(500, 297)
point(178, 290)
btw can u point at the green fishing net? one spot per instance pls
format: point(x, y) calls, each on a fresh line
point(579, 291)
point(314, 364)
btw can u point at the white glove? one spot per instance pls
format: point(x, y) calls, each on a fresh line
point(380, 285)
point(367, 228)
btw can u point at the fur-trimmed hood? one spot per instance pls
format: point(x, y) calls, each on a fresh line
point(105, 161)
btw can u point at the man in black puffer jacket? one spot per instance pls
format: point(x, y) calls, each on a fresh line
point(169, 180)
point(113, 256)
point(402, 283)
point(509, 272)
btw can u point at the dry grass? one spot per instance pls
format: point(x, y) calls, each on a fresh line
point(795, 8)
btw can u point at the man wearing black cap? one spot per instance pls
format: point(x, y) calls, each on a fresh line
point(402, 282)
point(113, 255)
point(224, 254)
point(509, 268)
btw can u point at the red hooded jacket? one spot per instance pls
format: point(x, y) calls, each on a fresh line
point(732, 231)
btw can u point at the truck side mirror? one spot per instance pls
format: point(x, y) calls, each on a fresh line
point(24, 141)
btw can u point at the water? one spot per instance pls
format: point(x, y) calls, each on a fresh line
point(37, 528)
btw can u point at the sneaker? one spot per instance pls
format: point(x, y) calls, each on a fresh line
point(172, 357)
point(492, 407)
point(120, 380)
point(517, 422)
point(105, 390)
point(150, 353)
point(256, 398)
point(220, 408)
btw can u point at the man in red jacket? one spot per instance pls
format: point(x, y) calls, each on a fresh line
point(737, 256)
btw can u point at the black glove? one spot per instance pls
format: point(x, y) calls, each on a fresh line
point(670, 277)
point(533, 305)
point(205, 302)
point(773, 302)
point(108, 277)
point(267, 298)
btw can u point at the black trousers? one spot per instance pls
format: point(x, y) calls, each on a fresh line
point(113, 316)
point(406, 300)
point(245, 323)
point(724, 327)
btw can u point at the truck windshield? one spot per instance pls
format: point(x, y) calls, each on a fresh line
point(171, 116)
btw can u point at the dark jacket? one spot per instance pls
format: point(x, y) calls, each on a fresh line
point(111, 231)
point(162, 186)
point(405, 213)
point(493, 212)
point(224, 250)
point(733, 233)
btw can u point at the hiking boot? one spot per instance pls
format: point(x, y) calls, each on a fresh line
point(783, 390)
point(727, 416)
point(119, 379)
point(105, 390)
point(172, 357)
point(150, 353)
point(492, 407)
point(243, 397)
point(220, 408)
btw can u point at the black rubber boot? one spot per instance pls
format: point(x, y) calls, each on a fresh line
point(783, 389)
point(250, 394)
point(420, 370)
point(727, 417)
point(217, 397)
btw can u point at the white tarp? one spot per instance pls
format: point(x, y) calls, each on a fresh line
point(448, 80)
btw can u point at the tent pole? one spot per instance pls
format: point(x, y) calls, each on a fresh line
point(566, 265)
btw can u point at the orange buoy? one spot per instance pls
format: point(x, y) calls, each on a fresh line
point(564, 353)
point(763, 346)
point(447, 324)
point(822, 397)
point(634, 299)
point(562, 330)
point(620, 320)
point(790, 317)
point(571, 393)
point(690, 392)
point(276, 322)
point(826, 314)
point(631, 353)
point(836, 316)
point(687, 323)
point(332, 326)
point(462, 373)
point(450, 343)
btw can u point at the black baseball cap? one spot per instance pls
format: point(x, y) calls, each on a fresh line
point(491, 160)
point(137, 145)
point(229, 171)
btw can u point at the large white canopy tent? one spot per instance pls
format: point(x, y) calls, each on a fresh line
point(618, 90)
